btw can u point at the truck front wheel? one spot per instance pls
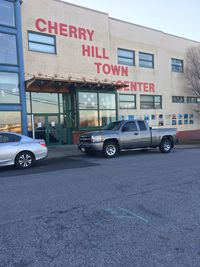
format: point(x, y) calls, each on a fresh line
point(165, 146)
point(110, 149)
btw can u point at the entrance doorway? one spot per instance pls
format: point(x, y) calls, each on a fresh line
point(47, 127)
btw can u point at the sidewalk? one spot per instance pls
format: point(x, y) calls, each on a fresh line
point(72, 150)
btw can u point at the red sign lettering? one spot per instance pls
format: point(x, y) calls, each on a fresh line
point(57, 28)
point(137, 86)
point(40, 25)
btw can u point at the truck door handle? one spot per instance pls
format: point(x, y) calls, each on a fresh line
point(136, 133)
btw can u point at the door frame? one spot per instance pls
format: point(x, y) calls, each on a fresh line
point(46, 115)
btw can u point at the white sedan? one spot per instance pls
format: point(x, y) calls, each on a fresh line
point(20, 150)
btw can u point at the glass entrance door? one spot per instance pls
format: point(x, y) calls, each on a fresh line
point(47, 127)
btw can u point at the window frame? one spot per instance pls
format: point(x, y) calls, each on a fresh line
point(178, 102)
point(174, 66)
point(10, 26)
point(17, 55)
point(135, 102)
point(16, 103)
point(145, 53)
point(42, 34)
point(197, 99)
point(154, 102)
point(126, 50)
point(98, 109)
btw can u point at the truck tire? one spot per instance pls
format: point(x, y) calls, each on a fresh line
point(110, 149)
point(165, 146)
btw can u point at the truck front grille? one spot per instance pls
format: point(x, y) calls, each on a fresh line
point(85, 139)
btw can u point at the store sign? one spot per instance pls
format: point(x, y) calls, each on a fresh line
point(88, 50)
point(48, 26)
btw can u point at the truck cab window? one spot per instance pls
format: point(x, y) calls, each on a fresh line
point(142, 126)
point(130, 127)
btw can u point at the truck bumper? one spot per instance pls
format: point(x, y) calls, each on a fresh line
point(93, 147)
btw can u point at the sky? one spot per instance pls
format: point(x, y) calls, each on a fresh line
point(177, 17)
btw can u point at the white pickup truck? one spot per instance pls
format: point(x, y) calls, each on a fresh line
point(125, 135)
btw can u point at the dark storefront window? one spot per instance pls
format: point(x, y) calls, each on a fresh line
point(41, 43)
point(9, 88)
point(10, 121)
point(150, 102)
point(96, 109)
point(8, 49)
point(7, 16)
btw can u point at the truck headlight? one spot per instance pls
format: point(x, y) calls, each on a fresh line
point(96, 139)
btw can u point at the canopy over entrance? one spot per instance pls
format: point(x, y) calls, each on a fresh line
point(43, 84)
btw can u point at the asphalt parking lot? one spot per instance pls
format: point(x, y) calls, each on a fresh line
point(140, 209)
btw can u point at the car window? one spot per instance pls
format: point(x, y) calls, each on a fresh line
point(130, 127)
point(142, 126)
point(9, 138)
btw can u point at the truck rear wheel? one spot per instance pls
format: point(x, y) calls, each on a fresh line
point(110, 149)
point(165, 146)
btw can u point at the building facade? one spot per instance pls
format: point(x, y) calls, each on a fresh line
point(84, 69)
point(12, 88)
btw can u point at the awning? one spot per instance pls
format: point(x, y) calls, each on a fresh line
point(43, 84)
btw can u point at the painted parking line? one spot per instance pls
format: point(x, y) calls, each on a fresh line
point(124, 213)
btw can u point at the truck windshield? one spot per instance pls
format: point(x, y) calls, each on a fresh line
point(113, 126)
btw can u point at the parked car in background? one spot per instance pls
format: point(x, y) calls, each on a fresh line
point(20, 150)
point(125, 135)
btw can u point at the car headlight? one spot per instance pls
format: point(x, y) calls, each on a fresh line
point(96, 139)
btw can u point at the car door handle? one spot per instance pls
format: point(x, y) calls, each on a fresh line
point(136, 133)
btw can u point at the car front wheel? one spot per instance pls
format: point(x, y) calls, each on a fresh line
point(165, 146)
point(110, 150)
point(24, 160)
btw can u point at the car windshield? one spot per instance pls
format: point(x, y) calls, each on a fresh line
point(113, 126)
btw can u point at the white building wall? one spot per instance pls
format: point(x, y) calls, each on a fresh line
point(108, 35)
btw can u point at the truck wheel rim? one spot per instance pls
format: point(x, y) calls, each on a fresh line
point(25, 160)
point(167, 146)
point(110, 150)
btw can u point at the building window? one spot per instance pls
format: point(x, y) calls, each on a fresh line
point(176, 65)
point(9, 88)
point(126, 57)
point(127, 104)
point(41, 43)
point(150, 102)
point(7, 14)
point(146, 60)
point(8, 49)
point(193, 99)
point(44, 103)
point(127, 101)
point(96, 109)
point(177, 99)
point(10, 121)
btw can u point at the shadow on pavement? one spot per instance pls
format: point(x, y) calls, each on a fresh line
point(46, 165)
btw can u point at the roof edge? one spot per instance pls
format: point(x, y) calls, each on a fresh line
point(87, 8)
point(162, 32)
